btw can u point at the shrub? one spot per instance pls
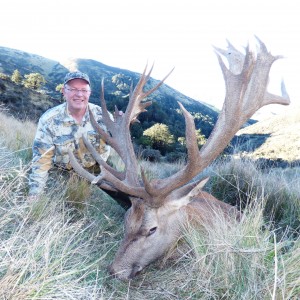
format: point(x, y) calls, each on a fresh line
point(151, 155)
point(172, 157)
point(4, 76)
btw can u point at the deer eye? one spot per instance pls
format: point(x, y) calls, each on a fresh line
point(152, 230)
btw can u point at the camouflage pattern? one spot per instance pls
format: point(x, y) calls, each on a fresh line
point(76, 75)
point(56, 133)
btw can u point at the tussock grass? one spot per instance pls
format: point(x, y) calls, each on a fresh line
point(77, 191)
point(160, 170)
point(233, 260)
point(49, 251)
point(60, 246)
point(241, 182)
point(17, 136)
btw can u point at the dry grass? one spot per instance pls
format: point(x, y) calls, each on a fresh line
point(283, 141)
point(17, 136)
point(240, 182)
point(54, 249)
point(241, 260)
point(49, 250)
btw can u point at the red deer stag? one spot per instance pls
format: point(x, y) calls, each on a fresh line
point(161, 206)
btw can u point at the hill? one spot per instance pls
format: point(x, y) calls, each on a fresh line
point(24, 103)
point(117, 83)
point(12, 59)
point(275, 138)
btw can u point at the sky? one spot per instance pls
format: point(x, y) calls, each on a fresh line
point(167, 33)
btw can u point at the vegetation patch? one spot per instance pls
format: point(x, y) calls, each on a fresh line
point(56, 249)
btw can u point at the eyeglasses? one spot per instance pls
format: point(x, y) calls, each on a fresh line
point(75, 91)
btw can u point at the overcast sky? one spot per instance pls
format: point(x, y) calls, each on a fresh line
point(169, 33)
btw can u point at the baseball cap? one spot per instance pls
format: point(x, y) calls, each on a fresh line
point(76, 75)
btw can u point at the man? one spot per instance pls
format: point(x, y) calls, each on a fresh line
point(61, 128)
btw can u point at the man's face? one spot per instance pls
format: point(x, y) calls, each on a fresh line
point(77, 93)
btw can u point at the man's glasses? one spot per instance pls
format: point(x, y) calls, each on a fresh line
point(76, 91)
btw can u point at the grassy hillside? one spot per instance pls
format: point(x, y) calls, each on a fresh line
point(12, 59)
point(24, 103)
point(117, 86)
point(276, 138)
point(60, 246)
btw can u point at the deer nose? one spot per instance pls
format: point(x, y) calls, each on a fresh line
point(111, 270)
point(136, 269)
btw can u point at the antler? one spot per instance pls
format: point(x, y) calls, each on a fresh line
point(246, 82)
point(117, 135)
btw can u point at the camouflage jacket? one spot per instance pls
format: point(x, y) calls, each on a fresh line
point(57, 132)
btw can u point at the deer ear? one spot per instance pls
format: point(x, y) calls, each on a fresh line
point(185, 193)
point(136, 203)
point(196, 190)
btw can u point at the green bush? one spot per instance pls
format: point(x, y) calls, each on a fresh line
point(151, 155)
point(4, 76)
point(172, 157)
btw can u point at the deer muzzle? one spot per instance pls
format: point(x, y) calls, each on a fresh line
point(125, 273)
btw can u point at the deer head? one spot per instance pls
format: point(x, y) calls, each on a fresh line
point(160, 206)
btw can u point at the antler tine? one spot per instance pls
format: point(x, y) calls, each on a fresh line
point(120, 130)
point(87, 175)
point(159, 84)
point(118, 136)
point(246, 81)
point(135, 105)
point(106, 116)
point(100, 161)
point(235, 57)
point(245, 94)
point(164, 186)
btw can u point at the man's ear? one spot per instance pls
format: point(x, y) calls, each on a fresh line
point(63, 90)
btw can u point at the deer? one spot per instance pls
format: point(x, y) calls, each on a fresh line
point(153, 223)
